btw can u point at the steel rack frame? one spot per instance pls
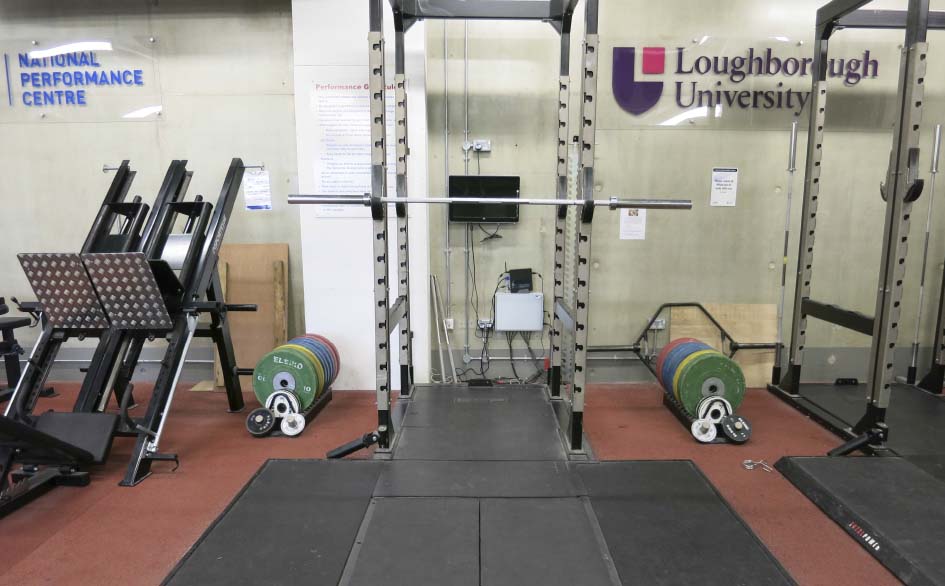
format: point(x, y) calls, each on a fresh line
point(901, 189)
point(389, 318)
point(392, 317)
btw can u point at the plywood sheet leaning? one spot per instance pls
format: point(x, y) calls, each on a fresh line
point(254, 273)
point(746, 322)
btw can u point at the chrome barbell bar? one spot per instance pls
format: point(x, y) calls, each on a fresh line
point(611, 203)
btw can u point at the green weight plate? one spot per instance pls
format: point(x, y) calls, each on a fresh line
point(709, 374)
point(286, 369)
point(316, 364)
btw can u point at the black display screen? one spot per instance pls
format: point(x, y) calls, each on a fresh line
point(483, 186)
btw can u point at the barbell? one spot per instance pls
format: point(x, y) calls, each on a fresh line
point(611, 203)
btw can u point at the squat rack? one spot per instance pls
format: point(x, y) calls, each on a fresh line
point(901, 189)
point(390, 318)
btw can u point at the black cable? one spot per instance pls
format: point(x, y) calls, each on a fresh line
point(509, 336)
point(478, 163)
point(490, 236)
point(539, 370)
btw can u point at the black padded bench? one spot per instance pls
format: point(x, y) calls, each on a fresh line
point(80, 438)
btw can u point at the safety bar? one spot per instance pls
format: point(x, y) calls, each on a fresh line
point(846, 318)
point(886, 19)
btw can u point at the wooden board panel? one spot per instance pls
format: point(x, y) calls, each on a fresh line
point(746, 322)
point(255, 273)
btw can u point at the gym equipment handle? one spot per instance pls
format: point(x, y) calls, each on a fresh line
point(612, 203)
point(368, 439)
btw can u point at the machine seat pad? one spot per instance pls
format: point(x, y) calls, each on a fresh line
point(12, 323)
point(91, 432)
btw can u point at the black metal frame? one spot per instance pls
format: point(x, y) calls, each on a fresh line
point(197, 290)
point(933, 380)
point(902, 187)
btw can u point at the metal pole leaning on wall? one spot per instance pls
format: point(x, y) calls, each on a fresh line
point(378, 87)
point(588, 137)
point(403, 233)
point(561, 217)
point(902, 188)
point(792, 167)
point(936, 151)
point(934, 379)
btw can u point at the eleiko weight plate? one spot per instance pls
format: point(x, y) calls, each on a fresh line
point(675, 357)
point(661, 358)
point(281, 362)
point(681, 367)
point(704, 431)
point(690, 387)
point(736, 428)
point(292, 424)
point(321, 353)
point(260, 422)
point(281, 403)
point(316, 364)
point(706, 403)
point(331, 346)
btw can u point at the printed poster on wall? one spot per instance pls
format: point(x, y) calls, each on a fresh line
point(632, 224)
point(343, 142)
point(257, 193)
point(724, 187)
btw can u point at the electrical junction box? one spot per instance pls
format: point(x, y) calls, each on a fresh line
point(519, 312)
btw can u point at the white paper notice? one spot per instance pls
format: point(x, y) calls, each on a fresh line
point(632, 224)
point(724, 186)
point(343, 134)
point(257, 192)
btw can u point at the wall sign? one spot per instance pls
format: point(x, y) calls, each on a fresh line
point(79, 80)
point(724, 187)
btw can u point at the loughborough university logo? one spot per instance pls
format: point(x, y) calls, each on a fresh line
point(632, 95)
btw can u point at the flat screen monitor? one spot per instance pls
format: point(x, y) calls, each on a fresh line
point(484, 186)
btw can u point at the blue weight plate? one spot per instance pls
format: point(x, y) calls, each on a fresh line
point(323, 354)
point(676, 356)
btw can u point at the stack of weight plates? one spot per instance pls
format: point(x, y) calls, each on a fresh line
point(690, 371)
point(305, 367)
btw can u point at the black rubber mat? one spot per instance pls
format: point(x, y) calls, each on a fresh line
point(914, 416)
point(477, 480)
point(508, 422)
point(542, 541)
point(479, 494)
point(419, 541)
point(666, 524)
point(894, 509)
point(295, 522)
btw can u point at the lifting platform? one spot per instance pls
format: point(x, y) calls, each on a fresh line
point(479, 489)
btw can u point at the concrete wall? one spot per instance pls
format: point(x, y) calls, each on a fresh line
point(222, 72)
point(710, 254)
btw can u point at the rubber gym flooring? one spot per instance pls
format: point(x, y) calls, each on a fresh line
point(480, 492)
point(893, 506)
point(914, 417)
point(105, 534)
